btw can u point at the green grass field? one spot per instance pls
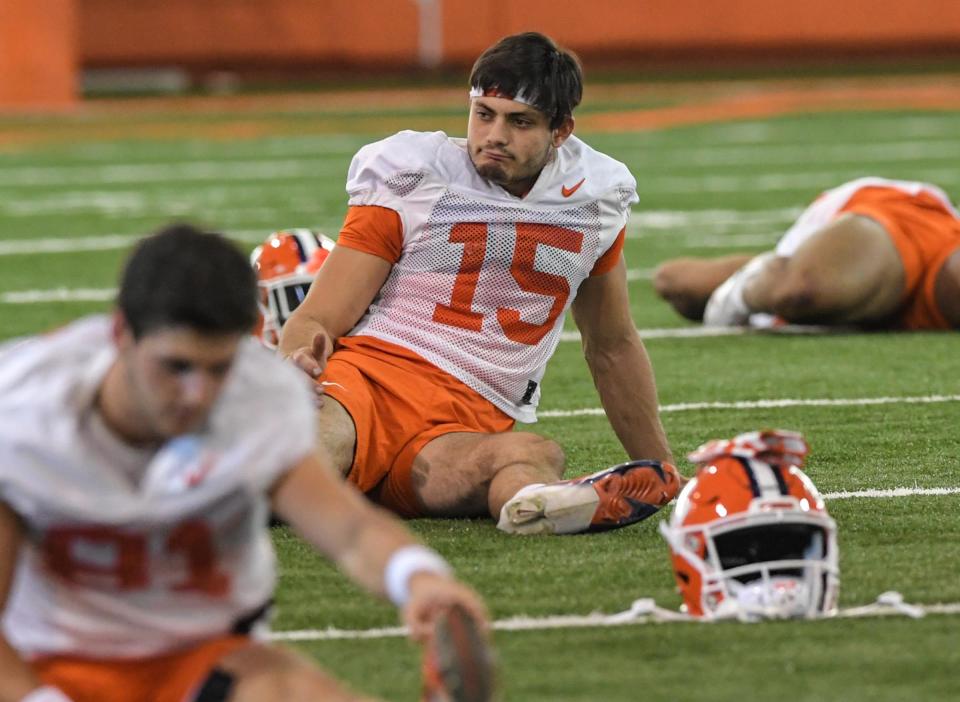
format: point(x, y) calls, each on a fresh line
point(75, 190)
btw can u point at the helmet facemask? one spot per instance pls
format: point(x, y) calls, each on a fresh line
point(770, 563)
point(278, 299)
point(286, 265)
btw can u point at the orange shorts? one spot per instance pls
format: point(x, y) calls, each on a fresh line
point(399, 402)
point(925, 234)
point(167, 678)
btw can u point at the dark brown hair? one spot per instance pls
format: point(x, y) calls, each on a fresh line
point(530, 63)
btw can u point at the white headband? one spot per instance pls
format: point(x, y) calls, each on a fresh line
point(521, 96)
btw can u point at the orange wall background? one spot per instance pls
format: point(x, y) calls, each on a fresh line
point(117, 32)
point(638, 26)
point(44, 43)
point(152, 32)
point(38, 57)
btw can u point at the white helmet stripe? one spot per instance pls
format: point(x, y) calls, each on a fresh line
point(766, 479)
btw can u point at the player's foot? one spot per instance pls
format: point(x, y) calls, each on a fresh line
point(726, 306)
point(608, 499)
point(458, 663)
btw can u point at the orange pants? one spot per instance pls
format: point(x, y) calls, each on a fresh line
point(399, 402)
point(925, 234)
point(167, 678)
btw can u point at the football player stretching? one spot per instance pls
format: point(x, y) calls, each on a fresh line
point(140, 454)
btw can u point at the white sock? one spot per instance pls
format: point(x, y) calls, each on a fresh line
point(726, 306)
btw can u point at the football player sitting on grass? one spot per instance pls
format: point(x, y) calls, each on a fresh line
point(429, 326)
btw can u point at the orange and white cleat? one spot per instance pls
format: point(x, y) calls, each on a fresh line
point(458, 662)
point(609, 499)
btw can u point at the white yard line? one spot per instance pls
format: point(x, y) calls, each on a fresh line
point(892, 492)
point(700, 332)
point(26, 297)
point(774, 182)
point(768, 404)
point(765, 154)
point(107, 242)
point(672, 220)
point(758, 132)
point(179, 172)
point(14, 247)
point(577, 621)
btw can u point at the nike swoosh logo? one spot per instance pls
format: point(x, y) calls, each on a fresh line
point(198, 475)
point(567, 192)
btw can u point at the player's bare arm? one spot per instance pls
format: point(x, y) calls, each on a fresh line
point(16, 678)
point(343, 289)
point(363, 540)
point(619, 364)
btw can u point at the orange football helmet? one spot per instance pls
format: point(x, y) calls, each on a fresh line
point(750, 537)
point(286, 264)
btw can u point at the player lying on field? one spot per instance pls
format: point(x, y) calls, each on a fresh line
point(430, 324)
point(139, 457)
point(873, 252)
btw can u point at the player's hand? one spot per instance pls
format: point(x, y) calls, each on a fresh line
point(312, 360)
point(431, 594)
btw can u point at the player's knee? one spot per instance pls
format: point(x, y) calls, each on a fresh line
point(542, 452)
point(337, 436)
point(799, 296)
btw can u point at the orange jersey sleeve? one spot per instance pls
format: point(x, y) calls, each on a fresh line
point(609, 259)
point(373, 230)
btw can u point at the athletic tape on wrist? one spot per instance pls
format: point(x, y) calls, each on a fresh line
point(47, 693)
point(406, 561)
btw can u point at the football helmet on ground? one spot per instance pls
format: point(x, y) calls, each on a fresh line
point(750, 537)
point(286, 264)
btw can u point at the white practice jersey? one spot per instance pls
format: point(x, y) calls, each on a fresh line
point(484, 278)
point(132, 552)
point(826, 207)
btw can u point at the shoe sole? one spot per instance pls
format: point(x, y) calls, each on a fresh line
point(629, 493)
point(463, 660)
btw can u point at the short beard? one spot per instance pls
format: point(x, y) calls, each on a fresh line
point(493, 173)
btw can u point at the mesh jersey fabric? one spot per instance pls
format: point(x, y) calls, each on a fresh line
point(484, 278)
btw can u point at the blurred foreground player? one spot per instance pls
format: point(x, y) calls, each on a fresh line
point(430, 324)
point(750, 537)
point(871, 253)
point(139, 456)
